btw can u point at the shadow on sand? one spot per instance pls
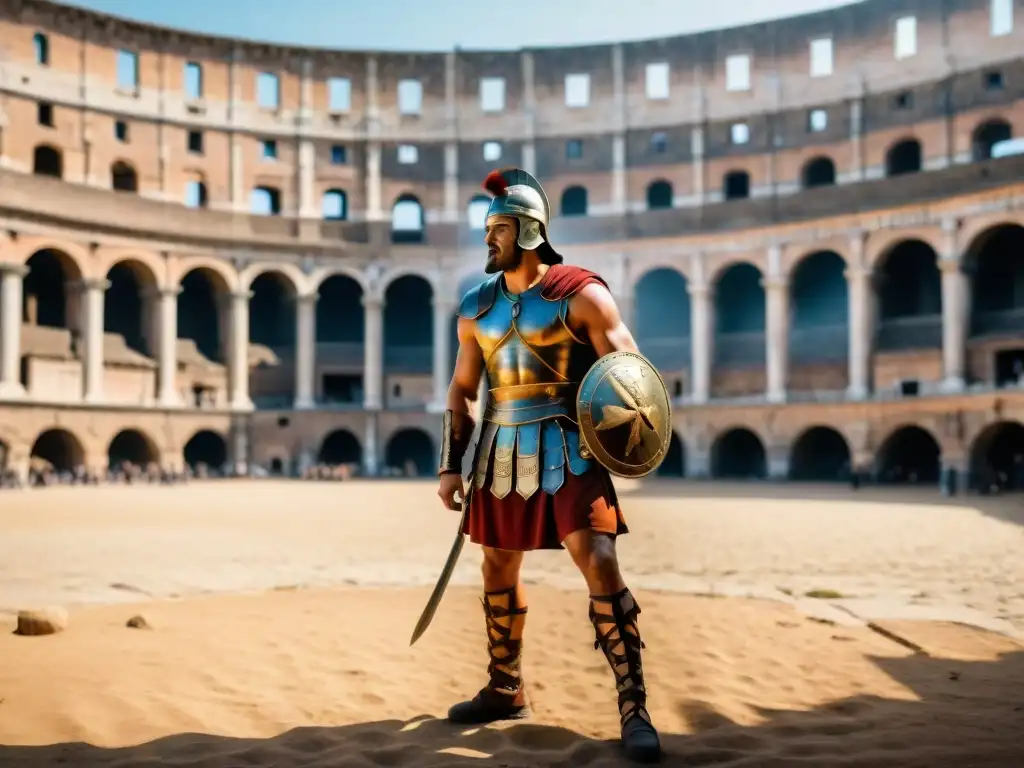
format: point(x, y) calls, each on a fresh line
point(942, 725)
point(1008, 507)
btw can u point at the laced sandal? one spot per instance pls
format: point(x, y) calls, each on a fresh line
point(504, 696)
point(618, 636)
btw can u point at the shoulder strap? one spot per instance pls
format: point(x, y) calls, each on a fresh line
point(479, 298)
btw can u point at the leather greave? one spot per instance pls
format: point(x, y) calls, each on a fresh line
point(503, 613)
point(618, 636)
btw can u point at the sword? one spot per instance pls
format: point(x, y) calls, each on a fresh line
point(449, 567)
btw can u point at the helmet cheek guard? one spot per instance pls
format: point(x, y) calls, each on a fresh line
point(518, 194)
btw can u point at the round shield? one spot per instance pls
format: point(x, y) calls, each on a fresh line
point(624, 414)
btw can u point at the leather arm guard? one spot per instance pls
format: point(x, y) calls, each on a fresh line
point(456, 431)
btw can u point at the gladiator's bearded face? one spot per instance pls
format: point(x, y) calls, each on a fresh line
point(503, 253)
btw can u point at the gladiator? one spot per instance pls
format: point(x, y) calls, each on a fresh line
point(533, 330)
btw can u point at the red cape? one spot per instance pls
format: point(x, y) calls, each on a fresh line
point(563, 280)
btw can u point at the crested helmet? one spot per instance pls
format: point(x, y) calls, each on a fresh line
point(517, 193)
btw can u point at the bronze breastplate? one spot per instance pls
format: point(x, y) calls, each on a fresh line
point(533, 361)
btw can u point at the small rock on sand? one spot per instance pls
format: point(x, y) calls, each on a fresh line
point(138, 622)
point(44, 621)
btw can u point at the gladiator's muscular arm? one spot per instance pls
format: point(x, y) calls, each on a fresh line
point(593, 311)
point(462, 392)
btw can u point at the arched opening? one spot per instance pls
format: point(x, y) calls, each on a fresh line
point(199, 316)
point(272, 311)
point(736, 185)
point(910, 455)
point(659, 195)
point(340, 447)
point(41, 45)
point(996, 258)
point(339, 340)
point(47, 161)
point(739, 317)
point(909, 288)
point(986, 136)
point(997, 457)
point(407, 224)
point(206, 450)
point(130, 446)
point(903, 157)
point(476, 212)
point(661, 308)
point(57, 450)
point(123, 177)
point(738, 454)
point(50, 297)
point(574, 201)
point(819, 310)
point(819, 172)
point(674, 464)
point(265, 201)
point(820, 454)
point(335, 205)
point(127, 304)
point(5, 457)
point(411, 452)
point(408, 326)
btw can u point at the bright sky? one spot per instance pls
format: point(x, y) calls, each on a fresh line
point(445, 24)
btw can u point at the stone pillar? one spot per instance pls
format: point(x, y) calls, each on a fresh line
point(238, 350)
point(778, 462)
point(371, 464)
point(702, 329)
point(856, 171)
point(442, 366)
point(776, 338)
point(697, 151)
point(954, 324)
point(859, 322)
point(91, 324)
point(239, 201)
point(452, 206)
point(374, 206)
point(240, 448)
point(167, 347)
point(307, 207)
point(305, 351)
point(373, 351)
point(11, 277)
point(529, 148)
point(620, 195)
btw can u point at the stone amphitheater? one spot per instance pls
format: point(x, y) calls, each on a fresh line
point(248, 255)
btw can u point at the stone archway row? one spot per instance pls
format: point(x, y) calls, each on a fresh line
point(908, 454)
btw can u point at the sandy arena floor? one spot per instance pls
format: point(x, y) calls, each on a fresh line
point(72, 546)
point(311, 667)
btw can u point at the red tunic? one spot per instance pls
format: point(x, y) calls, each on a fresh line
point(544, 520)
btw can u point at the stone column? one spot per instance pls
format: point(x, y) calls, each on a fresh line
point(239, 200)
point(238, 350)
point(702, 329)
point(91, 308)
point(954, 324)
point(305, 351)
point(859, 322)
point(11, 277)
point(373, 351)
point(776, 338)
point(307, 207)
point(442, 367)
point(452, 206)
point(529, 147)
point(620, 195)
point(374, 206)
point(167, 347)
point(371, 465)
point(856, 171)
